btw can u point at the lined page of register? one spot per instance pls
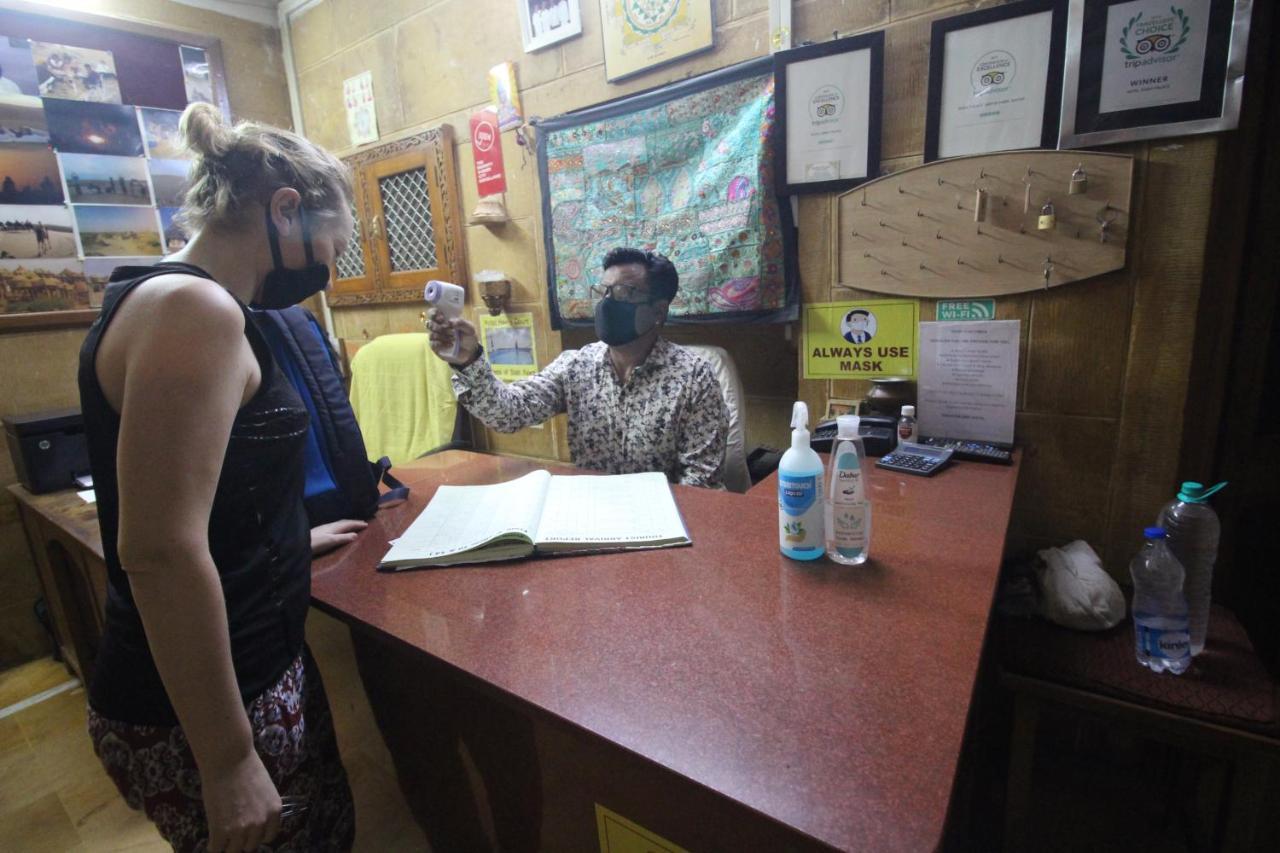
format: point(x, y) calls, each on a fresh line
point(610, 510)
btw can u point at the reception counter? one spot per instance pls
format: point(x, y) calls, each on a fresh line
point(718, 696)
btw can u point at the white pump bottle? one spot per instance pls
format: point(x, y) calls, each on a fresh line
point(801, 521)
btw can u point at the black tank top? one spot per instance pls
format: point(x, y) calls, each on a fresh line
point(258, 531)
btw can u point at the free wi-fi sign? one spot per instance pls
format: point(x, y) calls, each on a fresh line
point(967, 309)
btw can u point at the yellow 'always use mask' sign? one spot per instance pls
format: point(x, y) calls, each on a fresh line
point(866, 339)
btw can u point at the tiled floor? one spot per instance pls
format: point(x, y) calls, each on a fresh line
point(54, 795)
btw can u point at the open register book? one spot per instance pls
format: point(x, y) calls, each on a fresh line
point(540, 513)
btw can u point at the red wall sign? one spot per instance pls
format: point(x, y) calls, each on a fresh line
point(486, 144)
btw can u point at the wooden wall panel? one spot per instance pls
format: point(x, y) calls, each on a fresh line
point(1076, 366)
point(1167, 280)
point(1063, 485)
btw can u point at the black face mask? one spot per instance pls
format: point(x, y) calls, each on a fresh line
point(284, 286)
point(619, 323)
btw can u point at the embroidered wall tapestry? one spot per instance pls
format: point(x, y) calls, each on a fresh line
point(685, 170)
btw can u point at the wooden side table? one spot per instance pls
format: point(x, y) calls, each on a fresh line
point(62, 532)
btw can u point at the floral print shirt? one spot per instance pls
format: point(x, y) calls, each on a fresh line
point(668, 416)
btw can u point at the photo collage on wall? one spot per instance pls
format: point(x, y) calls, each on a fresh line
point(87, 182)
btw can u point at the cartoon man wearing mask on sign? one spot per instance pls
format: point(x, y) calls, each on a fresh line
point(858, 326)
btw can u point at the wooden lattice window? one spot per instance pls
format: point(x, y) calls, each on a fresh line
point(408, 223)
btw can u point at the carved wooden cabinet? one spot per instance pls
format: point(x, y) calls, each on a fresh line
point(408, 222)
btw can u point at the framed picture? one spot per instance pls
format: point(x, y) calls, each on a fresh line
point(837, 407)
point(829, 102)
point(640, 35)
point(995, 79)
point(547, 22)
point(1145, 69)
point(195, 73)
point(80, 127)
point(76, 73)
point(100, 179)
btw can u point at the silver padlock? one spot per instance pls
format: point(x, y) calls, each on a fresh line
point(1079, 182)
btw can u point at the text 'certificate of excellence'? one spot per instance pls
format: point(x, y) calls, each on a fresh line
point(993, 87)
point(828, 117)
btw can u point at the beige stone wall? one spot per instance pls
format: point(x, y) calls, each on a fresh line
point(38, 369)
point(430, 59)
point(1104, 372)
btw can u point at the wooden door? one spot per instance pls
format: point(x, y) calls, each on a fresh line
point(408, 222)
point(353, 272)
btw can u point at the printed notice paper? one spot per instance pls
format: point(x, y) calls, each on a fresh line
point(362, 117)
point(969, 380)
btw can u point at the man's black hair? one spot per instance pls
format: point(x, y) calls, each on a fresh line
point(659, 273)
point(866, 314)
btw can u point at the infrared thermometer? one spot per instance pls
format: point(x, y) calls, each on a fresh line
point(448, 299)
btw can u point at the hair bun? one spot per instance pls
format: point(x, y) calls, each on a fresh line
point(203, 130)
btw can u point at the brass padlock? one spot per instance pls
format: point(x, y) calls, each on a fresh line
point(1079, 182)
point(1048, 219)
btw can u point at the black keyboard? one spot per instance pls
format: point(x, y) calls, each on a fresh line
point(972, 451)
point(915, 459)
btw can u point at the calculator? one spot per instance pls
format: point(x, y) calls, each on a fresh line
point(974, 451)
point(915, 459)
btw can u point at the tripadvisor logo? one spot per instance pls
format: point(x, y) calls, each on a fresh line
point(826, 104)
point(993, 72)
point(1146, 40)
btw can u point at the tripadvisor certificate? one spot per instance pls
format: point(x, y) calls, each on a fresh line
point(994, 81)
point(828, 106)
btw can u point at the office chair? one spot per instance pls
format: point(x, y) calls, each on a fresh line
point(402, 398)
point(736, 476)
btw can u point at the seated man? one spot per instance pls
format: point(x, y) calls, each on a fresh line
point(636, 402)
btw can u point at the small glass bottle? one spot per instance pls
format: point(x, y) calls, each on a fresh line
point(907, 425)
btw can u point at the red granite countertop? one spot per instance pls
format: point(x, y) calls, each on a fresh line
point(832, 699)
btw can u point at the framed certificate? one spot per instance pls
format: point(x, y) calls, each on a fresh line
point(995, 79)
point(640, 35)
point(829, 103)
point(1144, 69)
point(547, 22)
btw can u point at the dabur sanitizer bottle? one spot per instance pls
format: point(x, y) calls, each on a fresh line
point(848, 509)
point(801, 519)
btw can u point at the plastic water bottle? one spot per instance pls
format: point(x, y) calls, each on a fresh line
point(848, 508)
point(1161, 637)
point(1192, 528)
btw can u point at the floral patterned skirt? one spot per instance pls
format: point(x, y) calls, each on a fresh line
point(155, 770)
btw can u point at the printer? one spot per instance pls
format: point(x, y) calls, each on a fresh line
point(49, 449)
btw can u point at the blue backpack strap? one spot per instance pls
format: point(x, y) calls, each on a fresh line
point(396, 490)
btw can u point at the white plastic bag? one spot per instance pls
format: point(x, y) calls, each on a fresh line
point(1075, 591)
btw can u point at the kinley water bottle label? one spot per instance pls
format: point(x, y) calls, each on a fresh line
point(1172, 644)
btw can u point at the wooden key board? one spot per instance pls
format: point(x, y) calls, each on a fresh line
point(970, 226)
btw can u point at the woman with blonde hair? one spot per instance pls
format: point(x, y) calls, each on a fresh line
point(205, 706)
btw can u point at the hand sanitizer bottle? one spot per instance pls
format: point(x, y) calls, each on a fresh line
point(848, 508)
point(800, 515)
